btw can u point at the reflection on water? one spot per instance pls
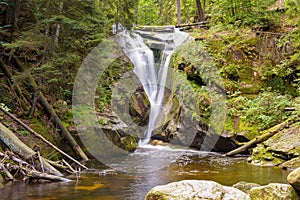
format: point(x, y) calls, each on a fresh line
point(109, 185)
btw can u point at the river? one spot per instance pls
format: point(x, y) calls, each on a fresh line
point(102, 183)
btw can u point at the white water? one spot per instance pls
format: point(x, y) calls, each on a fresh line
point(152, 79)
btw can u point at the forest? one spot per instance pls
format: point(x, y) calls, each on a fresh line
point(232, 117)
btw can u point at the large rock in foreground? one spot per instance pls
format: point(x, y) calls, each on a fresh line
point(195, 189)
point(274, 191)
point(294, 178)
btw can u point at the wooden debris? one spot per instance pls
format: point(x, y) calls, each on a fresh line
point(41, 137)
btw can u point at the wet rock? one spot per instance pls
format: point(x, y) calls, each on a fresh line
point(195, 189)
point(244, 186)
point(139, 107)
point(121, 139)
point(274, 191)
point(213, 142)
point(294, 178)
point(291, 164)
point(158, 142)
point(116, 131)
point(280, 148)
point(244, 136)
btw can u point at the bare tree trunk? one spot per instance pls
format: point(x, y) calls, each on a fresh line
point(35, 99)
point(200, 10)
point(178, 13)
point(12, 15)
point(57, 32)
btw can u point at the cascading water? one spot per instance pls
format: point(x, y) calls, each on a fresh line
point(153, 76)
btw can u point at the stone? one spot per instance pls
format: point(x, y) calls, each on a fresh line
point(291, 164)
point(278, 149)
point(274, 191)
point(213, 142)
point(244, 186)
point(195, 189)
point(294, 178)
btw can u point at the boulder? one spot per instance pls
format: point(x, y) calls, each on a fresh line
point(291, 164)
point(213, 142)
point(195, 189)
point(294, 178)
point(244, 186)
point(273, 191)
point(278, 149)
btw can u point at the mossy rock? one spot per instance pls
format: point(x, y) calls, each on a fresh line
point(245, 187)
point(274, 191)
point(195, 189)
point(294, 179)
point(278, 149)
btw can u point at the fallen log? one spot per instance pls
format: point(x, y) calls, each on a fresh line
point(263, 137)
point(40, 175)
point(14, 143)
point(21, 149)
point(203, 24)
point(41, 137)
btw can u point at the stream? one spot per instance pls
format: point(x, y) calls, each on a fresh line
point(106, 184)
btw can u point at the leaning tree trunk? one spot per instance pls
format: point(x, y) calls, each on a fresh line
point(58, 122)
point(51, 113)
point(14, 84)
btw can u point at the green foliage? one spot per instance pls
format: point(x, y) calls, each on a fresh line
point(163, 12)
point(242, 12)
point(147, 12)
point(264, 111)
point(289, 68)
point(2, 105)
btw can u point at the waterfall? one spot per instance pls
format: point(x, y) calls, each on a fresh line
point(153, 76)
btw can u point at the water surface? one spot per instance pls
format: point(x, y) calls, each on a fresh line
point(110, 185)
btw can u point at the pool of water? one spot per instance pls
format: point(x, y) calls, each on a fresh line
point(106, 184)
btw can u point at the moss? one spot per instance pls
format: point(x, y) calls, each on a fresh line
point(1, 181)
